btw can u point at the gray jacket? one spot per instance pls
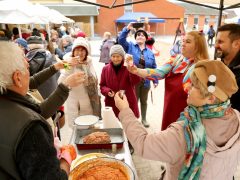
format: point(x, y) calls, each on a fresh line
point(105, 48)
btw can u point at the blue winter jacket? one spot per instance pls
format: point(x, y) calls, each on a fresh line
point(133, 49)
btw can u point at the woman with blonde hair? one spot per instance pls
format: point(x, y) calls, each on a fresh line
point(107, 43)
point(176, 72)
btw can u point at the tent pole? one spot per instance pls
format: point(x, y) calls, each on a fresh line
point(116, 29)
point(219, 22)
point(220, 12)
point(19, 31)
point(47, 26)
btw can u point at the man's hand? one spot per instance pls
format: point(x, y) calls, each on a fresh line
point(121, 103)
point(74, 79)
point(59, 65)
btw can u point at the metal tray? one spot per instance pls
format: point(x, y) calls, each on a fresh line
point(116, 135)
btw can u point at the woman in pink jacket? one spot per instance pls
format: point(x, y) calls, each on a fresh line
point(115, 77)
point(205, 141)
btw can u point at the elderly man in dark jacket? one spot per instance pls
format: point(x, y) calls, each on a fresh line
point(228, 49)
point(26, 140)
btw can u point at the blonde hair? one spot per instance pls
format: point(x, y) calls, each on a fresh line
point(107, 35)
point(11, 55)
point(203, 90)
point(200, 45)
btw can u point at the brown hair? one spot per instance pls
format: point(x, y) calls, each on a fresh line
point(234, 31)
point(200, 45)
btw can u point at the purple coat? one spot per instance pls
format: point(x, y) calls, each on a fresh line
point(123, 80)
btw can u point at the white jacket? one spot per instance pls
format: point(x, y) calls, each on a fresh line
point(78, 102)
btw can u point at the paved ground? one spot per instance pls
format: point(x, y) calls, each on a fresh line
point(146, 169)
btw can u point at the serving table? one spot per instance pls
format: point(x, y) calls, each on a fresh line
point(123, 152)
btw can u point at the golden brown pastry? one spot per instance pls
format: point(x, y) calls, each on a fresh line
point(97, 138)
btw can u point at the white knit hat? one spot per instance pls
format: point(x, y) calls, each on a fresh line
point(117, 49)
point(81, 42)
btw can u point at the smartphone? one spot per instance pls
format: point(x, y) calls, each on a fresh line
point(137, 25)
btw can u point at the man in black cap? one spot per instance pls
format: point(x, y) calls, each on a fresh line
point(143, 58)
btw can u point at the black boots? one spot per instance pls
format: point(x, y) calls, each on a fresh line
point(145, 123)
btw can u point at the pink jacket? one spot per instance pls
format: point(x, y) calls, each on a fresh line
point(223, 145)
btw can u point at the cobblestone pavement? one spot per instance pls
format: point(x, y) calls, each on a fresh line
point(146, 169)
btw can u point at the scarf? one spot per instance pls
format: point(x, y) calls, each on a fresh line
point(182, 64)
point(195, 136)
point(91, 86)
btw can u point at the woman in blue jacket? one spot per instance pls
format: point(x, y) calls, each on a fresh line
point(143, 58)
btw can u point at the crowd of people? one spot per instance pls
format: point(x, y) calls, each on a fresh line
point(43, 73)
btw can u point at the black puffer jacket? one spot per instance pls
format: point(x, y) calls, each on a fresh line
point(40, 59)
point(235, 68)
point(26, 142)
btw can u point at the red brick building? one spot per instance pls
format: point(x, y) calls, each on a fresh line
point(163, 9)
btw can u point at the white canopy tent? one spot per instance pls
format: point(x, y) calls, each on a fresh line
point(19, 12)
point(23, 12)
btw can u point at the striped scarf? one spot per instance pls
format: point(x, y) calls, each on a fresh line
point(195, 136)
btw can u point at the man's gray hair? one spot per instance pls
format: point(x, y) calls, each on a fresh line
point(67, 38)
point(11, 59)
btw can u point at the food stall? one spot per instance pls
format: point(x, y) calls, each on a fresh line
point(117, 150)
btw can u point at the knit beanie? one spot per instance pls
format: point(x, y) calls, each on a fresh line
point(34, 40)
point(22, 42)
point(141, 31)
point(80, 41)
point(217, 78)
point(117, 49)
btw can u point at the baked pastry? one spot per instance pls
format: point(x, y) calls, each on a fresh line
point(97, 138)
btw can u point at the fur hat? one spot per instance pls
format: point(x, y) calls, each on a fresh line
point(217, 78)
point(22, 42)
point(80, 41)
point(34, 40)
point(117, 49)
point(141, 31)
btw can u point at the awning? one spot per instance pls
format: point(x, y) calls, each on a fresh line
point(136, 16)
point(74, 9)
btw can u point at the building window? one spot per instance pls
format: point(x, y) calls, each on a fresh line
point(206, 22)
point(185, 20)
point(128, 8)
point(196, 20)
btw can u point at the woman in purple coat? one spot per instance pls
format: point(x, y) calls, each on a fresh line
point(115, 77)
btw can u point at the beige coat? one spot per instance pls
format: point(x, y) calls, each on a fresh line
point(78, 102)
point(223, 145)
